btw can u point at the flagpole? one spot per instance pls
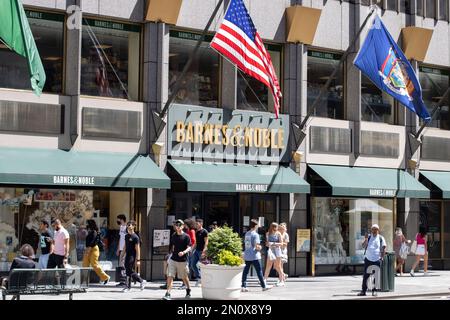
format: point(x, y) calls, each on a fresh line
point(177, 84)
point(327, 84)
point(438, 106)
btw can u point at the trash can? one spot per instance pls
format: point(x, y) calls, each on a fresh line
point(388, 272)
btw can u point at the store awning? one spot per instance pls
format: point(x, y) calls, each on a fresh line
point(371, 182)
point(229, 177)
point(79, 169)
point(440, 180)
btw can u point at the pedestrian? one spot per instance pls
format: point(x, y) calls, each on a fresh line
point(167, 258)
point(45, 243)
point(24, 261)
point(284, 246)
point(190, 229)
point(92, 252)
point(132, 256)
point(400, 244)
point(421, 251)
point(180, 247)
point(274, 243)
point(375, 249)
point(199, 249)
point(122, 222)
point(213, 226)
point(58, 259)
point(252, 256)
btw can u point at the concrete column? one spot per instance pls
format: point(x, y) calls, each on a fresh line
point(353, 80)
point(228, 85)
point(73, 71)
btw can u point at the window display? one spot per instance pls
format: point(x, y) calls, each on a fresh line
point(340, 225)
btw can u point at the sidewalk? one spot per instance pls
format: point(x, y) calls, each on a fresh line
point(303, 288)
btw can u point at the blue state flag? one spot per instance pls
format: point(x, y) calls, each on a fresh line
point(384, 63)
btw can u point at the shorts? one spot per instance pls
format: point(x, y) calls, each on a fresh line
point(420, 251)
point(176, 268)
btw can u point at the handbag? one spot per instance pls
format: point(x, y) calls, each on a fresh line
point(414, 247)
point(404, 250)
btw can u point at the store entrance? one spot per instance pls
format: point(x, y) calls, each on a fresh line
point(262, 207)
point(219, 208)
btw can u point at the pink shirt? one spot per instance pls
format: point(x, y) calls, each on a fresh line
point(59, 238)
point(419, 239)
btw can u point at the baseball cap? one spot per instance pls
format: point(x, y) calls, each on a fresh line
point(179, 222)
point(375, 226)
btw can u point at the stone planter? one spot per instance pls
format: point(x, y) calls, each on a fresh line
point(221, 282)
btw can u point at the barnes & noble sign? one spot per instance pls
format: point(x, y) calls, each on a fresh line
point(202, 133)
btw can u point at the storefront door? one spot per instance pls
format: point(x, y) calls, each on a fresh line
point(219, 208)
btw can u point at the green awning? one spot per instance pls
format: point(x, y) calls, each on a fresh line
point(441, 179)
point(74, 168)
point(229, 177)
point(371, 182)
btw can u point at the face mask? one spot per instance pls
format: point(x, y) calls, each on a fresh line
point(57, 228)
point(118, 222)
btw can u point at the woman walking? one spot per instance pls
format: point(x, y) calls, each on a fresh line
point(421, 251)
point(399, 245)
point(284, 246)
point(274, 243)
point(92, 251)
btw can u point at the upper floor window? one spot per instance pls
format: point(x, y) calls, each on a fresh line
point(48, 33)
point(320, 67)
point(376, 105)
point(434, 83)
point(200, 86)
point(252, 94)
point(110, 59)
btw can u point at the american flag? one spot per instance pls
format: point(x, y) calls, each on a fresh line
point(238, 40)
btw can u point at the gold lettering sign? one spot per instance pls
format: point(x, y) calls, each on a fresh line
point(206, 133)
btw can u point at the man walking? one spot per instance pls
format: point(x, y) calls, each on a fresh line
point(375, 250)
point(199, 248)
point(122, 222)
point(252, 256)
point(177, 265)
point(132, 256)
point(45, 243)
point(58, 259)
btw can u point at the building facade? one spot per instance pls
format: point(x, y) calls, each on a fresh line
point(91, 145)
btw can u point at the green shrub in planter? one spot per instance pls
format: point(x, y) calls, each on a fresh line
point(221, 240)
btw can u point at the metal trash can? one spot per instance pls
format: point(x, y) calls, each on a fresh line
point(388, 272)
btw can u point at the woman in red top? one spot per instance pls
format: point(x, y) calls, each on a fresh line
point(190, 230)
point(421, 251)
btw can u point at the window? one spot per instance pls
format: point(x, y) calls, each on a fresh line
point(200, 85)
point(320, 68)
point(391, 5)
point(405, 6)
point(253, 94)
point(110, 54)
point(48, 32)
point(376, 105)
point(430, 218)
point(443, 9)
point(340, 225)
point(434, 83)
point(430, 8)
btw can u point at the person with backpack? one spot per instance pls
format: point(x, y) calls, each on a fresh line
point(92, 253)
point(375, 249)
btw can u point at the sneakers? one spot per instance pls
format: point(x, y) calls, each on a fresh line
point(143, 283)
point(426, 274)
point(167, 296)
point(268, 287)
point(188, 293)
point(362, 293)
point(164, 286)
point(126, 289)
point(286, 276)
point(411, 273)
point(243, 289)
point(121, 284)
point(107, 280)
point(280, 284)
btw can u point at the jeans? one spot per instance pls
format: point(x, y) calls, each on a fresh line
point(257, 265)
point(194, 260)
point(366, 276)
point(43, 261)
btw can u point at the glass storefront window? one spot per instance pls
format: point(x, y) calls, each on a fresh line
point(253, 94)
point(320, 67)
point(430, 218)
point(21, 211)
point(434, 83)
point(443, 9)
point(392, 5)
point(110, 59)
point(405, 6)
point(419, 7)
point(340, 225)
point(430, 8)
point(377, 106)
point(200, 85)
point(48, 32)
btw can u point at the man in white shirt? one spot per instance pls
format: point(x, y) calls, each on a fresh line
point(58, 259)
point(375, 250)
